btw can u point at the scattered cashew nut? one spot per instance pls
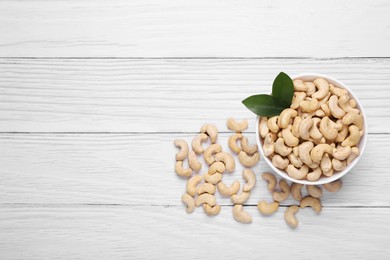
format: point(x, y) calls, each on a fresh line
point(309, 201)
point(314, 191)
point(183, 153)
point(211, 131)
point(206, 188)
point(189, 202)
point(333, 186)
point(289, 216)
point(237, 126)
point(205, 198)
point(181, 171)
point(270, 178)
point(232, 142)
point(248, 148)
point(296, 191)
point(227, 159)
point(267, 208)
point(247, 160)
point(284, 193)
point(240, 198)
point(195, 165)
point(240, 215)
point(250, 179)
point(208, 154)
point(192, 183)
point(228, 191)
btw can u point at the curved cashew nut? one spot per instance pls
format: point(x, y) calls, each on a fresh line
point(280, 148)
point(328, 173)
point(208, 154)
point(314, 131)
point(304, 128)
point(263, 128)
point(297, 174)
point(318, 151)
point(181, 171)
point(296, 191)
point(323, 88)
point(289, 216)
point(352, 103)
point(299, 85)
point(309, 105)
point(206, 188)
point(197, 143)
point(309, 201)
point(311, 88)
point(336, 111)
point(326, 163)
point(339, 165)
point(289, 138)
point(333, 186)
point(228, 191)
point(304, 152)
point(341, 153)
point(326, 109)
point(213, 179)
point(344, 104)
point(284, 193)
point(227, 159)
point(211, 211)
point(319, 113)
point(314, 175)
point(240, 215)
point(353, 118)
point(286, 116)
point(195, 165)
point(279, 162)
point(205, 198)
point(298, 97)
point(216, 167)
point(211, 131)
point(272, 125)
point(353, 138)
point(189, 202)
point(237, 126)
point(248, 148)
point(192, 183)
point(183, 153)
point(268, 146)
point(295, 126)
point(232, 142)
point(267, 208)
point(342, 134)
point(270, 178)
point(354, 154)
point(294, 160)
point(247, 160)
point(324, 100)
point(250, 179)
point(296, 151)
point(240, 198)
point(337, 91)
point(328, 128)
point(314, 191)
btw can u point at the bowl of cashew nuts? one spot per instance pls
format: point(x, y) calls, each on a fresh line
point(320, 137)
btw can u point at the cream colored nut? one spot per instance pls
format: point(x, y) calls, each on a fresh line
point(326, 163)
point(211, 211)
point(353, 137)
point(286, 117)
point(294, 160)
point(249, 149)
point(314, 175)
point(192, 183)
point(298, 97)
point(272, 125)
point(354, 154)
point(304, 128)
point(216, 167)
point(280, 162)
point(328, 128)
point(280, 148)
point(183, 152)
point(197, 143)
point(304, 152)
point(240, 198)
point(296, 191)
point(227, 159)
point(319, 113)
point(311, 88)
point(268, 146)
point(342, 134)
point(339, 165)
point(295, 127)
point(318, 151)
point(211, 131)
point(248, 160)
point(289, 138)
point(267, 208)
point(213, 179)
point(206, 188)
point(341, 153)
point(284, 193)
point(208, 154)
point(205, 198)
point(263, 128)
point(297, 174)
point(337, 91)
point(250, 178)
point(296, 151)
point(181, 171)
point(352, 103)
point(324, 100)
point(326, 109)
point(333, 186)
point(328, 173)
point(339, 125)
point(353, 118)
point(336, 111)
point(314, 131)
point(299, 85)
point(228, 191)
point(240, 215)
point(312, 202)
point(309, 105)
point(189, 202)
point(344, 104)
point(289, 216)
point(237, 126)
point(323, 88)
point(314, 191)
point(232, 142)
point(195, 165)
point(270, 178)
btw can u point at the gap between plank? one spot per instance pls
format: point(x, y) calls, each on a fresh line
point(195, 58)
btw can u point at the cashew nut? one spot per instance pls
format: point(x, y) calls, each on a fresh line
point(189, 202)
point(279, 162)
point(324, 100)
point(181, 171)
point(237, 126)
point(297, 174)
point(195, 165)
point(210, 151)
point(309, 105)
point(263, 128)
point(240, 198)
point(227, 159)
point(296, 191)
point(318, 151)
point(304, 152)
point(311, 88)
point(353, 138)
point(268, 146)
point(280, 148)
point(336, 111)
point(314, 175)
point(352, 103)
point(341, 153)
point(337, 91)
point(183, 153)
point(284, 193)
point(299, 85)
point(272, 125)
point(323, 88)
point(240, 215)
point(294, 160)
point(211, 131)
point(298, 97)
point(216, 167)
point(197, 143)
point(228, 191)
point(328, 128)
point(286, 116)
point(289, 216)
point(326, 163)
point(296, 151)
point(314, 131)
point(206, 188)
point(205, 198)
point(213, 179)
point(314, 191)
point(250, 179)
point(339, 165)
point(267, 208)
point(247, 160)
point(344, 104)
point(353, 118)
point(232, 142)
point(326, 109)
point(354, 154)
point(211, 211)
point(270, 178)
point(342, 134)
point(333, 186)
point(289, 138)
point(192, 183)
point(248, 148)
point(319, 113)
point(328, 173)
point(295, 126)
point(304, 128)
point(309, 201)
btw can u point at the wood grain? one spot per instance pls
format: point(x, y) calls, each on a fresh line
point(167, 95)
point(204, 28)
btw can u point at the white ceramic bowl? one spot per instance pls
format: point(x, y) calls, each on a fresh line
point(336, 175)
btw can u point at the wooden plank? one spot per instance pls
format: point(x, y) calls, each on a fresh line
point(179, 95)
point(138, 169)
point(150, 232)
point(202, 28)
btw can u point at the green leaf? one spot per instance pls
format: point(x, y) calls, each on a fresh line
point(283, 88)
point(264, 105)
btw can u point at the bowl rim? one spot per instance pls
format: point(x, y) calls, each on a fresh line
point(361, 145)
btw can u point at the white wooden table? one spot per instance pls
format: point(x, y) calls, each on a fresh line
point(92, 94)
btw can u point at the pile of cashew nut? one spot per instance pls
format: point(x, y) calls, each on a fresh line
point(318, 135)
